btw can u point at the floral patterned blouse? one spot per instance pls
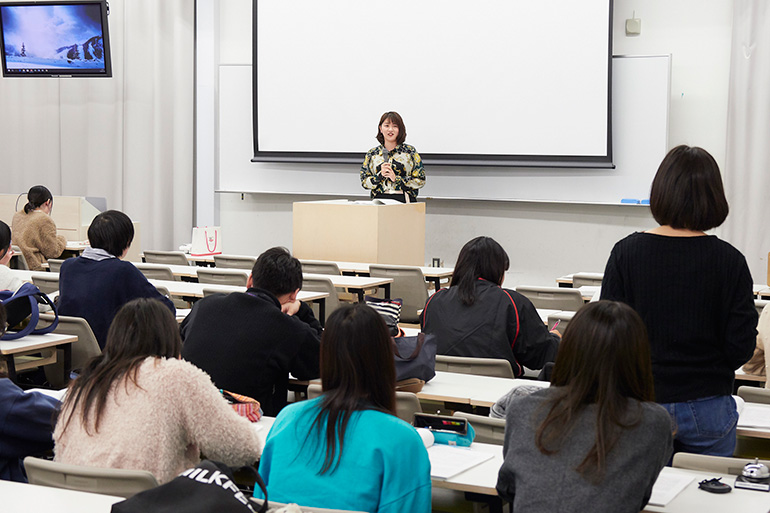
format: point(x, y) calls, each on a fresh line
point(406, 164)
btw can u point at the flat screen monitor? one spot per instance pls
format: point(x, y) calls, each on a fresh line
point(55, 39)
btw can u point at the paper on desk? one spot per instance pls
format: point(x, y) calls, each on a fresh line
point(447, 461)
point(754, 416)
point(668, 486)
point(56, 394)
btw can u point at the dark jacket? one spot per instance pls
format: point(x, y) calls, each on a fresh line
point(26, 427)
point(501, 323)
point(248, 346)
point(96, 290)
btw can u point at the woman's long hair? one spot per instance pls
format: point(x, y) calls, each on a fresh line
point(357, 372)
point(142, 328)
point(482, 258)
point(604, 359)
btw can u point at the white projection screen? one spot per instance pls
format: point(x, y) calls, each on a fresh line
point(493, 82)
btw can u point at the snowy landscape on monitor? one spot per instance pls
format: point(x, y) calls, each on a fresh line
point(61, 37)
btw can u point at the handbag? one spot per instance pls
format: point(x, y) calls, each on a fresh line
point(206, 241)
point(389, 309)
point(22, 308)
point(202, 489)
point(415, 357)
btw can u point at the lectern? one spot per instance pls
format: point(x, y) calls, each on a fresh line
point(360, 231)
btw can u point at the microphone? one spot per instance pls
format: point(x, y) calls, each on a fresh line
point(385, 154)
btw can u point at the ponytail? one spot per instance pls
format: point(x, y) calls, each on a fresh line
point(36, 196)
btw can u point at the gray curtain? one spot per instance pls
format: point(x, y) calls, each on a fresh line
point(747, 168)
point(128, 138)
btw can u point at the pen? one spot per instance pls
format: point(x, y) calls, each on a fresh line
point(555, 324)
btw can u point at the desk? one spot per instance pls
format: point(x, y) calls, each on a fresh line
point(32, 344)
point(757, 409)
point(470, 389)
point(432, 274)
point(23, 498)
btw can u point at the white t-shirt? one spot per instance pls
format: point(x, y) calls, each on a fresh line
point(8, 280)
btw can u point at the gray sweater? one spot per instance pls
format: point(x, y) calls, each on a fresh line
point(537, 482)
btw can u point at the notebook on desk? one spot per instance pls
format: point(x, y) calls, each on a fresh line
point(447, 461)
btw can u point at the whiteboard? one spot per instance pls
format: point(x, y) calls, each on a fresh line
point(640, 108)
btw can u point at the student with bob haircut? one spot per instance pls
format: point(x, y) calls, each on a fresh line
point(695, 295)
point(97, 283)
point(595, 429)
point(35, 232)
point(393, 169)
point(139, 406)
point(8, 280)
point(347, 447)
point(476, 317)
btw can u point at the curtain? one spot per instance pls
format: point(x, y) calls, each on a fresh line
point(747, 168)
point(128, 138)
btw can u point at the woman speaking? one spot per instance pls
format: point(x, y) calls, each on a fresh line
point(393, 169)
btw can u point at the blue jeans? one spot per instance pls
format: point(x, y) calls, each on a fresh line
point(704, 426)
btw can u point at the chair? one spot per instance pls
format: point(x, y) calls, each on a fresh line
point(17, 260)
point(717, 464)
point(234, 262)
point(563, 317)
point(754, 394)
point(319, 267)
point(213, 290)
point(591, 279)
point(46, 284)
point(322, 285)
point(488, 430)
point(759, 304)
point(222, 277)
point(408, 284)
point(165, 257)
point(407, 403)
point(494, 367)
point(54, 264)
point(554, 298)
point(106, 481)
point(154, 272)
point(83, 350)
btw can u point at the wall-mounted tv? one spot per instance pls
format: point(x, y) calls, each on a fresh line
point(55, 39)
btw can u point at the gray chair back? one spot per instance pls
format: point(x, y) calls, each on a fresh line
point(591, 279)
point(106, 481)
point(754, 394)
point(46, 284)
point(479, 366)
point(165, 257)
point(210, 291)
point(408, 284)
point(564, 319)
point(716, 464)
point(407, 403)
point(155, 272)
point(222, 276)
point(488, 430)
point(18, 261)
point(320, 267)
point(83, 350)
point(234, 262)
point(554, 298)
point(318, 284)
point(54, 264)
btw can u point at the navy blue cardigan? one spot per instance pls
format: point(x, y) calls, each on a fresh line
point(96, 290)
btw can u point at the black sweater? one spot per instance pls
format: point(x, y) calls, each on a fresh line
point(248, 346)
point(500, 323)
point(695, 297)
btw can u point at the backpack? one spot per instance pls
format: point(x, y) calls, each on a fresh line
point(23, 304)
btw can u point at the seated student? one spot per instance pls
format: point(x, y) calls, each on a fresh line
point(97, 283)
point(593, 441)
point(476, 317)
point(249, 342)
point(35, 232)
point(26, 423)
point(138, 406)
point(347, 448)
point(8, 280)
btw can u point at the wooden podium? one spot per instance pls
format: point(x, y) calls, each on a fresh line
point(359, 231)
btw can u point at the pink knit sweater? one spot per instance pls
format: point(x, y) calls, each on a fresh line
point(162, 426)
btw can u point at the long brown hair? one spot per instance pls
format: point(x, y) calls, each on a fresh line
point(142, 328)
point(604, 359)
point(357, 372)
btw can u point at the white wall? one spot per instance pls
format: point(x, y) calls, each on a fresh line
point(544, 240)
